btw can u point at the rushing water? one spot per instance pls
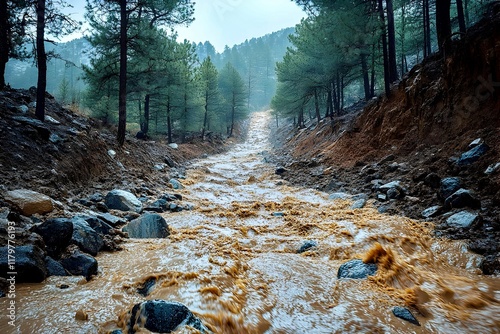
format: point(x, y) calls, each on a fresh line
point(234, 262)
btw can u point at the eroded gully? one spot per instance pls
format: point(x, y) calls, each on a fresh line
point(233, 261)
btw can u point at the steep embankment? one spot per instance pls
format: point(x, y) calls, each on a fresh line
point(415, 137)
point(70, 153)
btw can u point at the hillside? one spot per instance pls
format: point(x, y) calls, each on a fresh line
point(416, 137)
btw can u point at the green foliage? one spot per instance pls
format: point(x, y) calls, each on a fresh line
point(233, 91)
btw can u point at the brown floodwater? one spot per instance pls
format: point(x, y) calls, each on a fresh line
point(235, 264)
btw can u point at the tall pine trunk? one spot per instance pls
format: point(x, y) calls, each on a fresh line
point(427, 28)
point(387, 75)
point(169, 122)
point(316, 104)
point(205, 117)
point(443, 25)
point(391, 36)
point(122, 95)
point(41, 60)
point(461, 16)
point(145, 128)
point(366, 79)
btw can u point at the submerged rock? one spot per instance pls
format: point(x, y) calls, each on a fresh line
point(149, 225)
point(123, 200)
point(79, 264)
point(145, 289)
point(356, 269)
point(405, 314)
point(307, 245)
point(162, 316)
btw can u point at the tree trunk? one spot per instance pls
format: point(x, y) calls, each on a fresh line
point(233, 114)
point(169, 123)
point(366, 79)
point(427, 28)
point(122, 96)
point(372, 85)
point(4, 40)
point(316, 104)
point(443, 25)
point(391, 34)
point(146, 115)
point(41, 60)
point(205, 117)
point(387, 76)
point(461, 16)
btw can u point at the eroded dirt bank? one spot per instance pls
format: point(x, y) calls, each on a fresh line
point(234, 261)
point(417, 137)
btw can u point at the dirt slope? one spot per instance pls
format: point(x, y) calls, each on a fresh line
point(433, 114)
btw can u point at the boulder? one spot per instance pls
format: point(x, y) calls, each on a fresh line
point(158, 206)
point(123, 200)
point(431, 212)
point(307, 245)
point(472, 155)
point(56, 234)
point(110, 219)
point(405, 314)
point(98, 225)
point(449, 185)
point(162, 316)
point(356, 269)
point(149, 225)
point(462, 219)
point(28, 262)
point(176, 184)
point(493, 168)
point(54, 268)
point(359, 204)
point(280, 171)
point(29, 202)
point(335, 196)
point(85, 237)
point(79, 264)
point(462, 198)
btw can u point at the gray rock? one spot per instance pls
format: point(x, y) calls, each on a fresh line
point(278, 214)
point(123, 201)
point(395, 193)
point(29, 264)
point(462, 219)
point(111, 220)
point(356, 269)
point(149, 225)
point(23, 109)
point(158, 206)
point(432, 180)
point(56, 234)
point(162, 316)
point(472, 155)
point(493, 168)
point(54, 268)
point(476, 142)
point(307, 245)
point(405, 314)
point(80, 264)
point(29, 202)
point(176, 184)
point(431, 212)
point(335, 196)
point(462, 198)
point(97, 197)
point(98, 225)
point(382, 197)
point(85, 237)
point(359, 204)
point(391, 185)
point(448, 186)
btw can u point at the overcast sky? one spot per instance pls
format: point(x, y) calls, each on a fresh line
point(228, 22)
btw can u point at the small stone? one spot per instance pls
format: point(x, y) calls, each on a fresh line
point(462, 219)
point(336, 196)
point(307, 245)
point(278, 214)
point(405, 314)
point(493, 168)
point(356, 269)
point(280, 171)
point(476, 142)
point(81, 315)
point(112, 154)
point(176, 184)
point(174, 146)
point(431, 212)
point(359, 204)
point(462, 198)
point(448, 186)
point(472, 155)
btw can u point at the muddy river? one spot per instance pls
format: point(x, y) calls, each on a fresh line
point(233, 261)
